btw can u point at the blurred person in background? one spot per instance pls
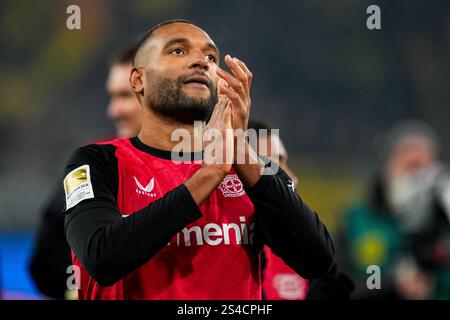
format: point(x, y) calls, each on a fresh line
point(51, 255)
point(404, 226)
point(280, 282)
point(123, 109)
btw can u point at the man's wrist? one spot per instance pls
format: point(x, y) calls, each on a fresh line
point(248, 165)
point(205, 181)
point(214, 171)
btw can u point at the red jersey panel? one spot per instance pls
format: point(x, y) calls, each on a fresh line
point(281, 282)
point(212, 258)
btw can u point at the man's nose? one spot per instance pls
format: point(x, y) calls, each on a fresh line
point(199, 61)
point(113, 110)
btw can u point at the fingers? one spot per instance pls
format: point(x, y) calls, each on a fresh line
point(231, 94)
point(236, 86)
point(249, 79)
point(232, 82)
point(247, 72)
point(221, 84)
point(237, 71)
point(227, 115)
point(223, 101)
point(218, 110)
point(241, 78)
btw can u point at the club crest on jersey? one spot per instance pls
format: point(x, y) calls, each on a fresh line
point(231, 186)
point(145, 190)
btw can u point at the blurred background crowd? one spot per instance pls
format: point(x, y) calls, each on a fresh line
point(364, 115)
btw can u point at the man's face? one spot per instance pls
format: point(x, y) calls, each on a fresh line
point(412, 154)
point(411, 175)
point(179, 78)
point(124, 108)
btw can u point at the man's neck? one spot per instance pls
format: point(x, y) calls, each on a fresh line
point(157, 132)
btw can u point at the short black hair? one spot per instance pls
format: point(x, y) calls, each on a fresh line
point(124, 55)
point(149, 33)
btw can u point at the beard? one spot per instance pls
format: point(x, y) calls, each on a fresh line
point(168, 99)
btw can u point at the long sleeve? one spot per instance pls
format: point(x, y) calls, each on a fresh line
point(108, 245)
point(290, 228)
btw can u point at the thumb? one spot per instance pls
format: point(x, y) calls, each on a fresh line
point(221, 84)
point(227, 115)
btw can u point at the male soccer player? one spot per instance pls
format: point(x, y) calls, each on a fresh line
point(51, 254)
point(143, 226)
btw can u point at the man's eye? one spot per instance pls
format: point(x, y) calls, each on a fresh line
point(177, 51)
point(211, 58)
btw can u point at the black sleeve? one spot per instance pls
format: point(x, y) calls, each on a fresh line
point(109, 246)
point(334, 286)
point(51, 254)
point(290, 228)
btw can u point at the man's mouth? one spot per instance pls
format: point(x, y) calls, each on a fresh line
point(198, 81)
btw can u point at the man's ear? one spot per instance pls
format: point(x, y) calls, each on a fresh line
point(136, 80)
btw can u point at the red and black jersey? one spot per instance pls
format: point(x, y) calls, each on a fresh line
point(136, 232)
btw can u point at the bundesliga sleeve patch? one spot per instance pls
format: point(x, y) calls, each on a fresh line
point(78, 186)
